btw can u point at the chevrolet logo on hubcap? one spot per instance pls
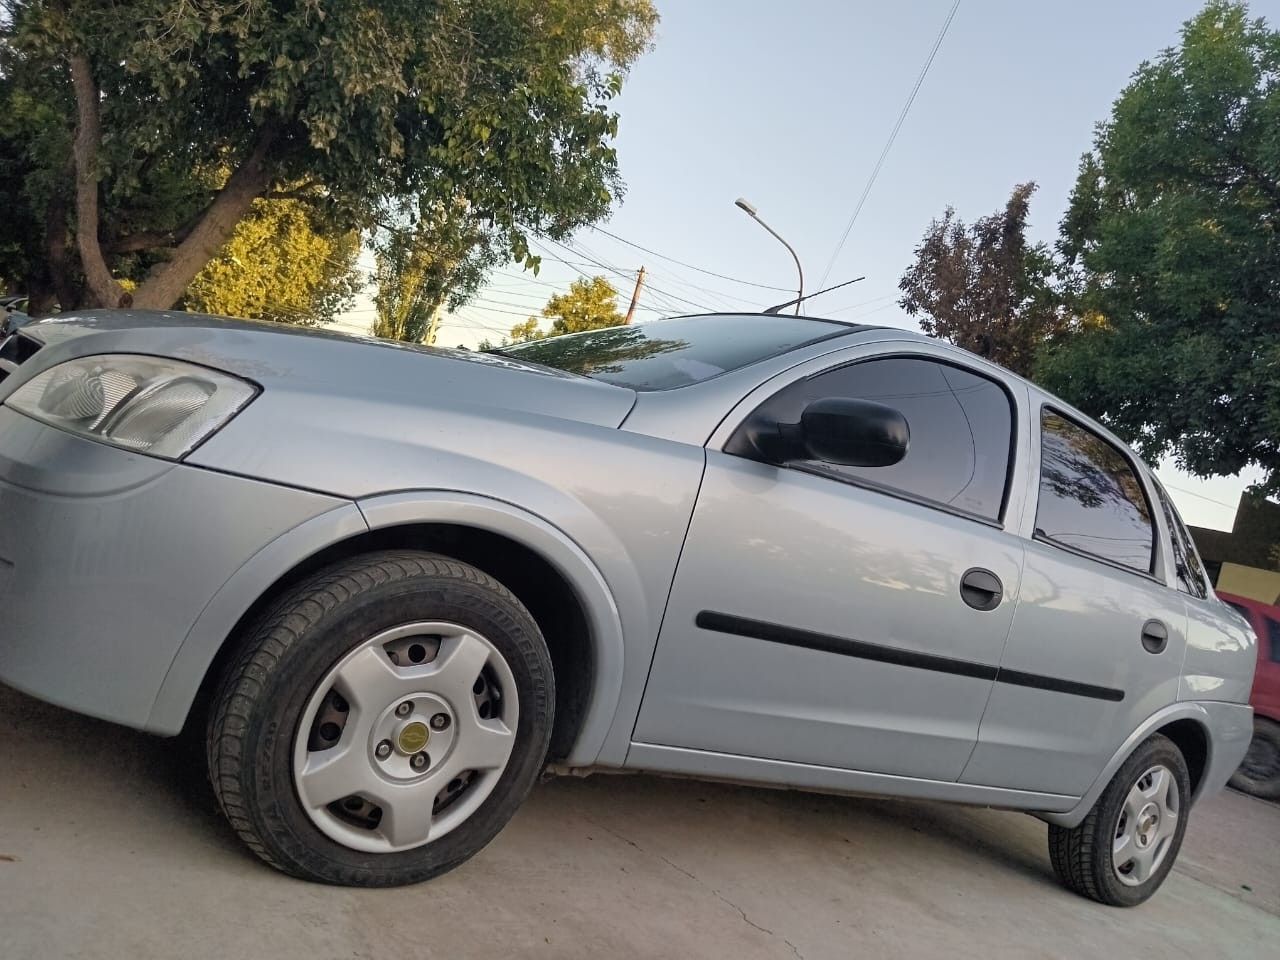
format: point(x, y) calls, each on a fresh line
point(413, 737)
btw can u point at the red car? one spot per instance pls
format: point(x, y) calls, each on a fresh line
point(1259, 773)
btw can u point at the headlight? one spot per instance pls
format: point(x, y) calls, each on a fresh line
point(164, 408)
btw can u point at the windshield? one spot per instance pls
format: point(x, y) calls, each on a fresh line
point(665, 354)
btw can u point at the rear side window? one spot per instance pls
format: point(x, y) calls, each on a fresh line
point(1186, 562)
point(1091, 499)
point(961, 429)
point(1273, 636)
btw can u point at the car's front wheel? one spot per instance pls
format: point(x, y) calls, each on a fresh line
point(1126, 846)
point(383, 721)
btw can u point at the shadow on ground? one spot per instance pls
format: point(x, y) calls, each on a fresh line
point(111, 845)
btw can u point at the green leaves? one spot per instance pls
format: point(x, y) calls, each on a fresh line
point(281, 264)
point(504, 103)
point(1172, 240)
point(589, 305)
point(427, 257)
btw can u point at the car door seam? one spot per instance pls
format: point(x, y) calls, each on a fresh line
point(666, 606)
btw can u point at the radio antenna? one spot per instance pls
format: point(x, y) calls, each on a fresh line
point(799, 300)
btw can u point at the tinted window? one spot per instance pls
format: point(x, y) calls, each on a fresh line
point(961, 425)
point(1090, 497)
point(1273, 637)
point(674, 353)
point(1186, 561)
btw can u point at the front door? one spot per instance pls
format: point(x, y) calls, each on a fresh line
point(819, 612)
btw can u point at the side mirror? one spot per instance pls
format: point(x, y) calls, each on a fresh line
point(854, 433)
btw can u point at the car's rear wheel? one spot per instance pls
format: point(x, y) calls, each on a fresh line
point(383, 721)
point(1259, 772)
point(1126, 846)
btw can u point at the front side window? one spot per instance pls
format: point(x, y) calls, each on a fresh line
point(961, 428)
point(1091, 499)
point(1186, 562)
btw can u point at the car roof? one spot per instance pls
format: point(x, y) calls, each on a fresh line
point(853, 327)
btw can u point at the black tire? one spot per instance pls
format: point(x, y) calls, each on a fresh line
point(1259, 774)
point(1082, 856)
point(289, 650)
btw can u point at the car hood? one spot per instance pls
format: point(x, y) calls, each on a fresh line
point(313, 360)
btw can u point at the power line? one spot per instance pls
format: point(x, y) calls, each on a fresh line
point(721, 295)
point(710, 273)
point(1192, 493)
point(867, 313)
point(510, 313)
point(893, 135)
point(651, 293)
point(863, 303)
point(581, 250)
point(459, 320)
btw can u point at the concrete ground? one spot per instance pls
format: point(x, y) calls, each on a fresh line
point(109, 847)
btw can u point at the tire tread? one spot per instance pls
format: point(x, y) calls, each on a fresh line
point(1080, 854)
point(282, 626)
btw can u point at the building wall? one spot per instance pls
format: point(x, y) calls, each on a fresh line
point(1251, 582)
point(1244, 561)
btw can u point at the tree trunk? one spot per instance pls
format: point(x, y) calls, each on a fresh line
point(169, 280)
point(58, 259)
point(104, 291)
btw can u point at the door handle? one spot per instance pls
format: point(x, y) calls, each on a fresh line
point(1155, 636)
point(981, 589)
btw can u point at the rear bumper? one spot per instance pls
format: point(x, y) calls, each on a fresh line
point(107, 560)
point(1231, 729)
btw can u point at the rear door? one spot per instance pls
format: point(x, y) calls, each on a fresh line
point(1098, 640)
point(819, 612)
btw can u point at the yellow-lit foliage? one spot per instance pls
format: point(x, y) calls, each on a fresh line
point(279, 265)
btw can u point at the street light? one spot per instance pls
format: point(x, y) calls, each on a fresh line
point(746, 207)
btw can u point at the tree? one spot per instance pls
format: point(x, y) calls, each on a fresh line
point(984, 287)
point(589, 305)
point(1172, 238)
point(436, 256)
point(280, 264)
point(529, 330)
point(351, 105)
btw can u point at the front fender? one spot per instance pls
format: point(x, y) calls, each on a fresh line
point(556, 547)
point(220, 616)
point(218, 620)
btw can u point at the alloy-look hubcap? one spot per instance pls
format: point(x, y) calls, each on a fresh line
point(1146, 826)
point(405, 737)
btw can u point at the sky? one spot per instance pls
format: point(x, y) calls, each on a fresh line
point(790, 105)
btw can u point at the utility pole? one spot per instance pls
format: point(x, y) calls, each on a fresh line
point(635, 296)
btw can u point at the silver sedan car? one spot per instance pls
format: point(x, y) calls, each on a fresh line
point(391, 585)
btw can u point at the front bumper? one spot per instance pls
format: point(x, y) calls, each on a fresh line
point(108, 558)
